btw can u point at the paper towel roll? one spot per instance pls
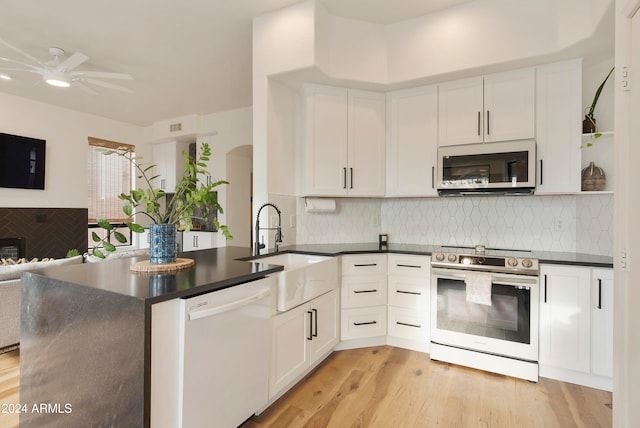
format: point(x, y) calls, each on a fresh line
point(318, 205)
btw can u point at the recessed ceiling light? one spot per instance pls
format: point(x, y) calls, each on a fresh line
point(5, 76)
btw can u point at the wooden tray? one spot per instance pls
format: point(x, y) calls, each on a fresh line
point(147, 266)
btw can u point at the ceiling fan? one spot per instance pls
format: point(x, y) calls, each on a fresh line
point(61, 72)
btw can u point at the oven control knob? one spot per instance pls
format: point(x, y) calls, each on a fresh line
point(439, 257)
point(527, 263)
point(452, 258)
point(512, 261)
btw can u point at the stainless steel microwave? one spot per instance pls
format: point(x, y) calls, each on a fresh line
point(507, 167)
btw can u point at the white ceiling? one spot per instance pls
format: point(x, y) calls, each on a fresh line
point(186, 57)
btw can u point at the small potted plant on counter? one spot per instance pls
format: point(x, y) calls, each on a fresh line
point(177, 214)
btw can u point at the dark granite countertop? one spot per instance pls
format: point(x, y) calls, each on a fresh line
point(214, 269)
point(223, 267)
point(550, 257)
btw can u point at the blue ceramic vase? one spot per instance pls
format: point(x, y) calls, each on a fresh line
point(162, 243)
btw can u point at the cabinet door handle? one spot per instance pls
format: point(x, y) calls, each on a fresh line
point(433, 173)
point(365, 291)
point(599, 293)
point(408, 325)
point(545, 289)
point(344, 178)
point(315, 323)
point(409, 266)
point(479, 122)
point(195, 241)
point(310, 336)
point(163, 183)
point(351, 178)
point(415, 293)
point(488, 124)
point(365, 264)
point(365, 323)
point(541, 172)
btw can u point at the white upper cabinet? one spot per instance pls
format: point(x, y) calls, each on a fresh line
point(496, 107)
point(412, 129)
point(559, 118)
point(169, 164)
point(344, 142)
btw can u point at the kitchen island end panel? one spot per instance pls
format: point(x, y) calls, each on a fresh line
point(81, 356)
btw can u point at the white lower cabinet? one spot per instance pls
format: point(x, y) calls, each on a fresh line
point(576, 325)
point(408, 287)
point(300, 338)
point(364, 296)
point(194, 241)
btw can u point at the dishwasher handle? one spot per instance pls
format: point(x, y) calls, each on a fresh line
point(216, 310)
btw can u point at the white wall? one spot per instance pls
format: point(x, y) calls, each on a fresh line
point(238, 203)
point(66, 132)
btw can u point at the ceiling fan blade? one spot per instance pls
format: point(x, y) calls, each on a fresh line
point(72, 62)
point(102, 75)
point(21, 52)
point(32, 67)
point(84, 88)
point(108, 85)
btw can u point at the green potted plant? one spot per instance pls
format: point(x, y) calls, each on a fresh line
point(166, 219)
point(589, 123)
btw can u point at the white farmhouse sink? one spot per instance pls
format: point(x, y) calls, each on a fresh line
point(304, 277)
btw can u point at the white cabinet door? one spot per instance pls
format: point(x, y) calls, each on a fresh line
point(344, 142)
point(169, 164)
point(509, 105)
point(194, 241)
point(325, 325)
point(290, 347)
point(460, 106)
point(602, 322)
point(558, 127)
point(325, 117)
point(496, 107)
point(300, 337)
point(412, 129)
point(565, 316)
point(366, 144)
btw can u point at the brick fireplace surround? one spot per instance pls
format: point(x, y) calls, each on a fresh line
point(47, 232)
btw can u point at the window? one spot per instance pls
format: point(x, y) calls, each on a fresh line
point(107, 177)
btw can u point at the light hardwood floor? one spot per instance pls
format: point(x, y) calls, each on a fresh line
point(390, 387)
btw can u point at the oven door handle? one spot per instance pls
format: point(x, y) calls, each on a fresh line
point(500, 279)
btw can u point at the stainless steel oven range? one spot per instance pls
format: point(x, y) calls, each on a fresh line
point(485, 308)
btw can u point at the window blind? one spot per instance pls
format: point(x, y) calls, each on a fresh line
point(107, 177)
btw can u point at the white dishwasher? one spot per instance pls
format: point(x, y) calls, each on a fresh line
point(226, 355)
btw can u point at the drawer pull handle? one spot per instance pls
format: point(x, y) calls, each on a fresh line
point(365, 323)
point(365, 264)
point(409, 266)
point(408, 325)
point(415, 293)
point(364, 291)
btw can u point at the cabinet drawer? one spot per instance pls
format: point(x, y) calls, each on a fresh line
point(364, 264)
point(408, 292)
point(399, 264)
point(408, 324)
point(365, 290)
point(363, 322)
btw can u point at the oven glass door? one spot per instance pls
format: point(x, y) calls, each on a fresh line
point(507, 327)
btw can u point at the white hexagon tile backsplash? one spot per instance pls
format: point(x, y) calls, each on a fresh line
point(581, 223)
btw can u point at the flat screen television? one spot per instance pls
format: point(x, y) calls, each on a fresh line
point(22, 161)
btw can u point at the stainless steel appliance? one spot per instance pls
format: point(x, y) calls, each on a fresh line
point(503, 167)
point(499, 335)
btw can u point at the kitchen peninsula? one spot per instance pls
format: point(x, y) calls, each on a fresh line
point(85, 354)
point(86, 330)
